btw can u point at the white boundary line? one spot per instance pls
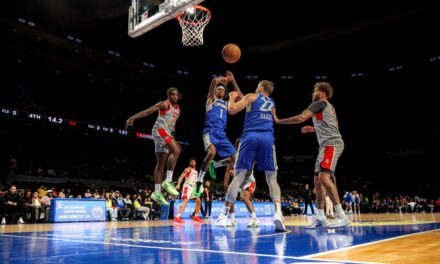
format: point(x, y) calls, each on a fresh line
point(181, 249)
point(366, 244)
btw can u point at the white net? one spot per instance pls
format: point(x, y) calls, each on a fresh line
point(193, 22)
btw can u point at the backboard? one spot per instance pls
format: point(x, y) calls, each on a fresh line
point(144, 15)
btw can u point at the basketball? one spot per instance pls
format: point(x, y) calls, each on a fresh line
point(231, 53)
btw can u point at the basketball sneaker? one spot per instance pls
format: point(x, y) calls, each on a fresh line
point(253, 223)
point(339, 222)
point(278, 221)
point(169, 187)
point(212, 170)
point(158, 197)
point(199, 187)
point(197, 191)
point(197, 219)
point(317, 222)
point(221, 221)
point(231, 223)
point(177, 219)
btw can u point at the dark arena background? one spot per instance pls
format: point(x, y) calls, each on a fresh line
point(71, 76)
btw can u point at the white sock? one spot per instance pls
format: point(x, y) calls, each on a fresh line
point(278, 207)
point(157, 188)
point(225, 210)
point(232, 216)
point(254, 215)
point(339, 211)
point(178, 215)
point(218, 164)
point(201, 175)
point(320, 214)
point(169, 176)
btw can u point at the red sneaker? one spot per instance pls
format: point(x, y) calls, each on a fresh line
point(178, 220)
point(197, 218)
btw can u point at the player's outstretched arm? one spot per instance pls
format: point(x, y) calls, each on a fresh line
point(159, 106)
point(306, 114)
point(236, 104)
point(181, 178)
point(307, 129)
point(231, 78)
point(274, 114)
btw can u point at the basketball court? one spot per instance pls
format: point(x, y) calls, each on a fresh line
point(370, 238)
point(384, 238)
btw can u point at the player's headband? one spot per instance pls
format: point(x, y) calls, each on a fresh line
point(220, 87)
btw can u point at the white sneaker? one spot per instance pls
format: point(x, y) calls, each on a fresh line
point(339, 223)
point(254, 223)
point(278, 221)
point(317, 222)
point(4, 221)
point(231, 223)
point(20, 221)
point(221, 221)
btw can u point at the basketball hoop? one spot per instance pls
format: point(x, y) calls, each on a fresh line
point(193, 22)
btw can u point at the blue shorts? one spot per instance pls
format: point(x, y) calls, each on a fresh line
point(259, 147)
point(221, 142)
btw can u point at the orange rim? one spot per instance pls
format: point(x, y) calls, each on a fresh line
point(206, 20)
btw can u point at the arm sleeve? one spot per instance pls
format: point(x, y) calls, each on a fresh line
point(317, 106)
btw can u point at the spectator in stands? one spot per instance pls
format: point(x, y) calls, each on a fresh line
point(139, 206)
point(2, 206)
point(286, 207)
point(28, 207)
point(110, 209)
point(61, 195)
point(411, 206)
point(45, 204)
point(88, 194)
point(127, 201)
point(33, 208)
point(295, 207)
point(123, 210)
point(366, 204)
point(96, 195)
point(356, 202)
point(437, 205)
point(42, 191)
point(54, 192)
point(347, 201)
point(13, 206)
point(430, 206)
point(69, 193)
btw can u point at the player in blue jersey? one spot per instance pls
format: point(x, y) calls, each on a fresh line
point(257, 144)
point(214, 135)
